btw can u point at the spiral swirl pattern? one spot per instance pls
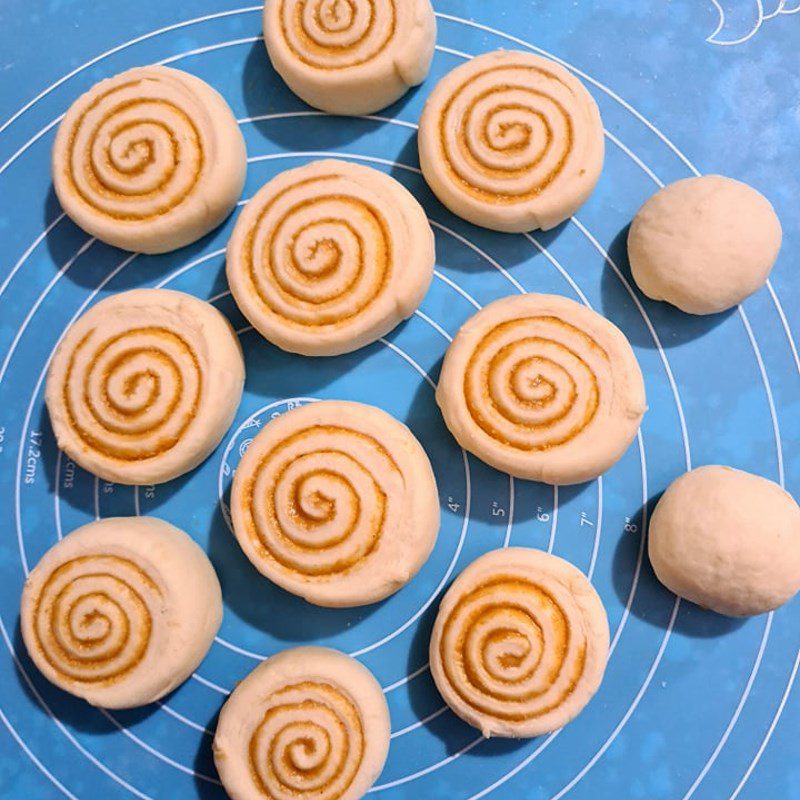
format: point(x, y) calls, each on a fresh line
point(150, 159)
point(532, 383)
point(143, 385)
point(542, 388)
point(331, 502)
point(318, 503)
point(121, 610)
point(310, 743)
point(132, 395)
point(519, 642)
point(313, 258)
point(510, 137)
point(93, 618)
point(336, 34)
point(308, 723)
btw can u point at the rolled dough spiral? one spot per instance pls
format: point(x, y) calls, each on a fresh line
point(329, 257)
point(511, 141)
point(350, 56)
point(542, 388)
point(121, 611)
point(336, 502)
point(144, 385)
point(149, 160)
point(520, 643)
point(307, 724)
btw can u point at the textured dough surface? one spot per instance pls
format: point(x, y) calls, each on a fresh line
point(350, 56)
point(121, 611)
point(336, 502)
point(704, 244)
point(511, 141)
point(329, 257)
point(542, 388)
point(727, 540)
point(520, 643)
point(144, 385)
point(307, 724)
point(149, 160)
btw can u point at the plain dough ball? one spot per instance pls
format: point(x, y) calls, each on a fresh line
point(353, 57)
point(543, 388)
point(144, 385)
point(336, 502)
point(511, 141)
point(520, 643)
point(727, 540)
point(121, 611)
point(308, 723)
point(329, 257)
point(704, 244)
point(149, 160)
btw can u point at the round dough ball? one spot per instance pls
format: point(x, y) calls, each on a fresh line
point(511, 141)
point(353, 57)
point(337, 503)
point(329, 257)
point(520, 643)
point(704, 244)
point(542, 388)
point(149, 160)
point(144, 385)
point(727, 540)
point(307, 724)
point(121, 611)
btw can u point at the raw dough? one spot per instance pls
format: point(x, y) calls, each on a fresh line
point(542, 388)
point(727, 540)
point(307, 724)
point(144, 385)
point(337, 503)
point(149, 160)
point(121, 611)
point(704, 244)
point(511, 141)
point(350, 56)
point(329, 257)
point(520, 643)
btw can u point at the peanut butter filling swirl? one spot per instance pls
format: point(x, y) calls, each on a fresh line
point(309, 744)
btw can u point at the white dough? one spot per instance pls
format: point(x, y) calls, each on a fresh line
point(336, 502)
point(542, 388)
point(704, 244)
point(306, 724)
point(144, 385)
point(511, 141)
point(520, 643)
point(329, 257)
point(121, 611)
point(350, 56)
point(149, 160)
point(727, 540)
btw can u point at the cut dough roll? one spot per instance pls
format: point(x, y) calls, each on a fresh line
point(143, 386)
point(353, 57)
point(520, 643)
point(704, 244)
point(121, 611)
point(329, 257)
point(727, 540)
point(149, 160)
point(511, 141)
point(336, 502)
point(307, 724)
point(542, 388)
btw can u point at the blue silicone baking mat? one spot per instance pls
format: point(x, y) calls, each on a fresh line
point(693, 705)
